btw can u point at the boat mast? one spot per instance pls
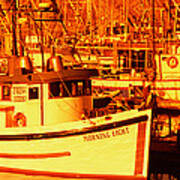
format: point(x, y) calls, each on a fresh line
point(153, 37)
point(89, 16)
point(14, 22)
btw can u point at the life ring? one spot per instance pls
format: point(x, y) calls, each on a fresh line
point(20, 120)
point(172, 62)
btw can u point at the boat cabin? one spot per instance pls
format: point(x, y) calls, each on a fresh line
point(31, 98)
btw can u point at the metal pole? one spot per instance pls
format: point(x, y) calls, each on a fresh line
point(42, 43)
point(153, 35)
point(43, 69)
point(14, 22)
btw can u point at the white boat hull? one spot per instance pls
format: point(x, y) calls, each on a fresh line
point(118, 147)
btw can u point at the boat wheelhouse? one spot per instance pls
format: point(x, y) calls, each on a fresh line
point(44, 98)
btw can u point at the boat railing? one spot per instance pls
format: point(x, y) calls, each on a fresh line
point(99, 112)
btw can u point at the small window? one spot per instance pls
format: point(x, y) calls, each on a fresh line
point(80, 88)
point(74, 88)
point(61, 90)
point(34, 93)
point(6, 92)
point(55, 89)
point(87, 87)
point(138, 60)
point(67, 88)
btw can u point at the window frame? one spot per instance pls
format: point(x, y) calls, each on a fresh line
point(38, 96)
point(2, 92)
point(69, 90)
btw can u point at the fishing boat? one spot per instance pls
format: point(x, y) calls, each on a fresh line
point(162, 83)
point(47, 127)
point(48, 122)
point(144, 86)
point(166, 86)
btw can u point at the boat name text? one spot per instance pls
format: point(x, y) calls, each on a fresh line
point(99, 136)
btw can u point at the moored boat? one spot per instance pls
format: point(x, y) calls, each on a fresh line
point(42, 130)
point(162, 82)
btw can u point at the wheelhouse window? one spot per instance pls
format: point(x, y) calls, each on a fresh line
point(67, 85)
point(138, 60)
point(6, 92)
point(33, 93)
point(69, 88)
point(87, 87)
point(80, 88)
point(74, 88)
point(123, 60)
point(60, 89)
point(54, 89)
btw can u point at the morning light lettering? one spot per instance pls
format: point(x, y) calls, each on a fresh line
point(99, 136)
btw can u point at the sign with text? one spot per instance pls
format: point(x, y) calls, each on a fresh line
point(108, 134)
point(19, 93)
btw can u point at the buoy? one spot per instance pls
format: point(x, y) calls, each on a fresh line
point(20, 119)
point(172, 62)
